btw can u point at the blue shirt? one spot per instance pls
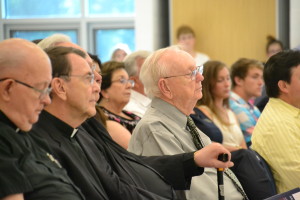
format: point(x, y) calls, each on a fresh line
point(246, 113)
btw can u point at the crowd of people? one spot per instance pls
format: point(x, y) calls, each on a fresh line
point(148, 126)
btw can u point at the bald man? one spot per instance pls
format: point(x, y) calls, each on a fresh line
point(27, 171)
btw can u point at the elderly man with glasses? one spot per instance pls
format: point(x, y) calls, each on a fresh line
point(93, 160)
point(172, 80)
point(26, 170)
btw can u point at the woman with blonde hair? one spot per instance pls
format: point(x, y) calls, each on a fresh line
point(215, 104)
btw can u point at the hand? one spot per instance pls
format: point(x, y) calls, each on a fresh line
point(208, 156)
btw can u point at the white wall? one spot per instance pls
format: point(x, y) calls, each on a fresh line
point(294, 24)
point(147, 25)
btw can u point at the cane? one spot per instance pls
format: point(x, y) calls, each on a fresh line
point(222, 157)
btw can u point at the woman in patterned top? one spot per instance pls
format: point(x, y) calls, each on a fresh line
point(115, 94)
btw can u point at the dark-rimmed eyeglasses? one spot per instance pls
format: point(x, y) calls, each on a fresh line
point(43, 93)
point(125, 81)
point(192, 75)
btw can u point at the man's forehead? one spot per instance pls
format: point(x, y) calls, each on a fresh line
point(182, 60)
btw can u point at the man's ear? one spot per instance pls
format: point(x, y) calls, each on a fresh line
point(238, 81)
point(6, 88)
point(59, 88)
point(164, 88)
point(283, 86)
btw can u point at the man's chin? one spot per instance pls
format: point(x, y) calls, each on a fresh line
point(92, 113)
point(26, 127)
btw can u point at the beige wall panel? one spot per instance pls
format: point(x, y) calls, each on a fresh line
point(227, 29)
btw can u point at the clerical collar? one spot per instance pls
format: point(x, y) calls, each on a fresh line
point(63, 127)
point(74, 132)
point(4, 119)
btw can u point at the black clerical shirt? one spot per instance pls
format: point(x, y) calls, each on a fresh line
point(28, 169)
point(104, 171)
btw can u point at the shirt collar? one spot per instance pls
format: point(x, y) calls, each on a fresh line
point(144, 100)
point(64, 128)
point(295, 111)
point(235, 97)
point(170, 111)
point(6, 120)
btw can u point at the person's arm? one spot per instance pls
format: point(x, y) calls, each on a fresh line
point(208, 156)
point(14, 182)
point(180, 168)
point(14, 197)
point(118, 133)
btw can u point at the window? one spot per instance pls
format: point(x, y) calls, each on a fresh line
point(96, 25)
point(20, 9)
point(34, 35)
point(109, 40)
point(111, 7)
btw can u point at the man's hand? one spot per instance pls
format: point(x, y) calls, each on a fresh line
point(208, 156)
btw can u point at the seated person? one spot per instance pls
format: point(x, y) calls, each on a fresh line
point(273, 46)
point(206, 125)
point(138, 102)
point(215, 104)
point(276, 134)
point(118, 132)
point(186, 39)
point(27, 171)
point(91, 157)
point(247, 81)
point(248, 168)
point(173, 82)
point(120, 52)
point(115, 94)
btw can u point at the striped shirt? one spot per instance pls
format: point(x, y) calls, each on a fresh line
point(246, 113)
point(276, 138)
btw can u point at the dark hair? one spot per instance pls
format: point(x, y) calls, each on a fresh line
point(36, 41)
point(184, 30)
point(107, 70)
point(279, 67)
point(100, 116)
point(59, 61)
point(96, 59)
point(241, 67)
point(271, 40)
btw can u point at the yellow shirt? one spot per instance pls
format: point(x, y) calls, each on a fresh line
point(276, 138)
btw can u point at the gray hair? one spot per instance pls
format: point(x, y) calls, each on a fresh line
point(156, 66)
point(130, 61)
point(53, 40)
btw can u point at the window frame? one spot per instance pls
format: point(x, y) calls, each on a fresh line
point(84, 25)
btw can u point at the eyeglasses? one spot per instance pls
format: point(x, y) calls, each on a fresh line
point(193, 74)
point(125, 81)
point(43, 93)
point(89, 78)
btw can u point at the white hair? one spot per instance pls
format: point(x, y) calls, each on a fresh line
point(130, 61)
point(156, 66)
point(53, 40)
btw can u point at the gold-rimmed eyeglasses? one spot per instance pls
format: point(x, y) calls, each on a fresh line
point(125, 81)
